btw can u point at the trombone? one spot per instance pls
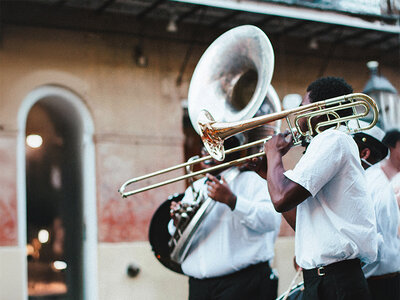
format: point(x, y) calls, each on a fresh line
point(214, 133)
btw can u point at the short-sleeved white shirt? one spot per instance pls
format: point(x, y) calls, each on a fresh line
point(387, 219)
point(337, 222)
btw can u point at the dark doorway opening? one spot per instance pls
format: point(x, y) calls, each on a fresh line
point(54, 201)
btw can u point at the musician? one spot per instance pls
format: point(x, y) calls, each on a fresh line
point(391, 166)
point(383, 275)
point(325, 200)
point(230, 258)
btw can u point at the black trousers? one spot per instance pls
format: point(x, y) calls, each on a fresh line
point(343, 280)
point(385, 287)
point(253, 283)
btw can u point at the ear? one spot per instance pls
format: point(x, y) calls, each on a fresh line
point(365, 153)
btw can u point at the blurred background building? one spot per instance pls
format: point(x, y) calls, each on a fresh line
point(92, 92)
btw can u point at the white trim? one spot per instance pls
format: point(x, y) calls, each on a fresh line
point(90, 284)
point(295, 12)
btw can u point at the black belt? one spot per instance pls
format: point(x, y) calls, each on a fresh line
point(245, 270)
point(384, 276)
point(332, 268)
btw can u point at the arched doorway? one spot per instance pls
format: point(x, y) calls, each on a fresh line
point(57, 195)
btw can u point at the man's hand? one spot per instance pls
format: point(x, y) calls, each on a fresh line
point(220, 191)
point(173, 211)
point(279, 144)
point(258, 165)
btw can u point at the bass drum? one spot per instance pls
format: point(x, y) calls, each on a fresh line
point(159, 235)
point(295, 293)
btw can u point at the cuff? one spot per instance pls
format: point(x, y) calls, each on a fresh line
point(242, 207)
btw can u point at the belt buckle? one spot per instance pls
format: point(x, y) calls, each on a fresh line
point(320, 271)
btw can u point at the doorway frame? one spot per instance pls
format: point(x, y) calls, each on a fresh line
point(90, 273)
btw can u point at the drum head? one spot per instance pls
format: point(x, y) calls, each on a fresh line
point(159, 235)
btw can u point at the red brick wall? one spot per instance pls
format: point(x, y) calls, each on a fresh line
point(8, 194)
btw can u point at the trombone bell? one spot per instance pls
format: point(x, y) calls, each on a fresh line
point(213, 143)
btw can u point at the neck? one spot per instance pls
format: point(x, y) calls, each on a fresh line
point(395, 164)
point(391, 167)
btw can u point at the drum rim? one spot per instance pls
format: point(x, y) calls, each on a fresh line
point(159, 225)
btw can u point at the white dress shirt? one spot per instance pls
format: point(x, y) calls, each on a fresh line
point(387, 219)
point(395, 183)
point(228, 241)
point(337, 221)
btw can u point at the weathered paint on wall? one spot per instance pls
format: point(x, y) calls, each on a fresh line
point(122, 220)
point(8, 191)
point(137, 113)
point(137, 118)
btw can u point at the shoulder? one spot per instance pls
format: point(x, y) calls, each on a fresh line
point(335, 134)
point(329, 139)
point(375, 176)
point(335, 139)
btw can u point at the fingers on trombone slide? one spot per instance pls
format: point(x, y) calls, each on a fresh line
point(276, 138)
point(288, 136)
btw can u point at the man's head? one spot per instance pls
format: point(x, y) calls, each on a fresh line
point(392, 141)
point(370, 145)
point(328, 87)
point(322, 89)
point(391, 138)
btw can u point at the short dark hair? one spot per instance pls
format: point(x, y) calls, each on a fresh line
point(391, 138)
point(328, 87)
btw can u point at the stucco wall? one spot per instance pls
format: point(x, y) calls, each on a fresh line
point(12, 281)
point(136, 111)
point(137, 119)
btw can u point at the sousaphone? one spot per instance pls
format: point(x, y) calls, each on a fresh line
point(232, 81)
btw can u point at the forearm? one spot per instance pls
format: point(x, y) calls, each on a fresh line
point(277, 182)
point(285, 193)
point(290, 217)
